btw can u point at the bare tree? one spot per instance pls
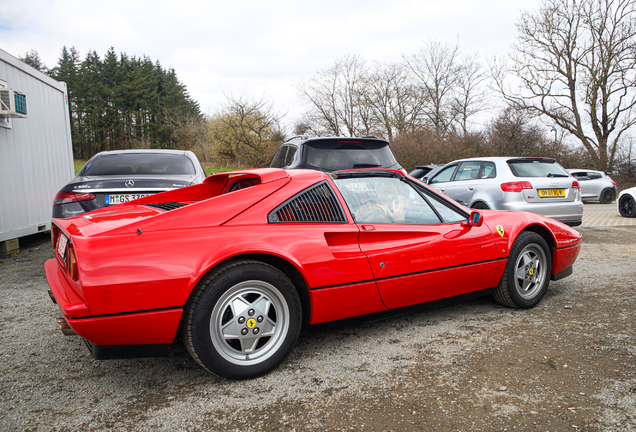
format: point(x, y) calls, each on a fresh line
point(435, 70)
point(246, 132)
point(576, 62)
point(395, 107)
point(334, 97)
point(470, 96)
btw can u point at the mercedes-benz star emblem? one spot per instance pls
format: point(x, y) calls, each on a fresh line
point(129, 183)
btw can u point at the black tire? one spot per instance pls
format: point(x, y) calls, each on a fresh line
point(243, 320)
point(627, 206)
point(480, 206)
point(527, 274)
point(607, 196)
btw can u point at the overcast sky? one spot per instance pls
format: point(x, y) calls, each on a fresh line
point(258, 48)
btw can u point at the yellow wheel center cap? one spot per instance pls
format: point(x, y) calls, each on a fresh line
point(531, 272)
point(251, 323)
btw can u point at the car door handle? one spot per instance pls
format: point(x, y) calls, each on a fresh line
point(442, 190)
point(471, 187)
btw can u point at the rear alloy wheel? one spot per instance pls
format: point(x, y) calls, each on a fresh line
point(607, 196)
point(243, 321)
point(627, 206)
point(527, 273)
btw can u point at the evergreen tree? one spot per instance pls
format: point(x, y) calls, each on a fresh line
point(122, 102)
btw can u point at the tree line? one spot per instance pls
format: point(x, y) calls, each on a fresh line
point(121, 102)
point(567, 90)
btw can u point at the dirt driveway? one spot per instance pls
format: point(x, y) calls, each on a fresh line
point(567, 364)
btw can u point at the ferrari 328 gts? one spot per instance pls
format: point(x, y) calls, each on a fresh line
point(240, 263)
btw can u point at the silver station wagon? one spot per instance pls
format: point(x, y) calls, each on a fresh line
point(537, 185)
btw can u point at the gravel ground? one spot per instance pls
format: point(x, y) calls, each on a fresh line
point(567, 364)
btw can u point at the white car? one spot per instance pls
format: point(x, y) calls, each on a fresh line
point(595, 185)
point(627, 202)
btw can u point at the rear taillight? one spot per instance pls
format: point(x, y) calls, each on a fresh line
point(71, 262)
point(515, 186)
point(55, 232)
point(71, 197)
point(576, 185)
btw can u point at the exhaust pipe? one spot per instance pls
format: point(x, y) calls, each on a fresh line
point(66, 329)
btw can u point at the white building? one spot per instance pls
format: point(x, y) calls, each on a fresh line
point(36, 153)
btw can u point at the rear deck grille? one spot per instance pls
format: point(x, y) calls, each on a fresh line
point(167, 206)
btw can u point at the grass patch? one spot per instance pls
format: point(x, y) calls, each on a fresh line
point(215, 170)
point(78, 165)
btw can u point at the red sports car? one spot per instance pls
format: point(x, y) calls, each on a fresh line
point(240, 263)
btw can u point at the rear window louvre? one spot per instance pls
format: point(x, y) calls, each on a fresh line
point(167, 206)
point(316, 204)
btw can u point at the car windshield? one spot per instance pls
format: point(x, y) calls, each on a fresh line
point(139, 164)
point(536, 168)
point(343, 154)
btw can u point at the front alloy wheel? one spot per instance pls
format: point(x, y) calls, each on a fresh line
point(627, 206)
point(527, 274)
point(530, 271)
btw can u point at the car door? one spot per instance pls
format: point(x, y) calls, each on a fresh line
point(441, 180)
point(463, 184)
point(587, 187)
point(422, 253)
point(595, 185)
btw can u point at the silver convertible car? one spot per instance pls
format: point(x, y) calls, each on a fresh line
point(537, 185)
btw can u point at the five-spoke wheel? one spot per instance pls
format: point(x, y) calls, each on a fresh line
point(243, 320)
point(527, 273)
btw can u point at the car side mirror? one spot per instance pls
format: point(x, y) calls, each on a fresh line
point(474, 220)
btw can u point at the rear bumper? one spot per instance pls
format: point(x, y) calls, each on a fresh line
point(133, 328)
point(570, 213)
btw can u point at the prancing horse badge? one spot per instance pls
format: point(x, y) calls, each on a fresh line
point(500, 230)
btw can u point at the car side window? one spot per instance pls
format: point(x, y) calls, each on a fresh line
point(488, 170)
point(595, 176)
point(581, 176)
point(444, 175)
point(468, 171)
point(385, 200)
point(278, 160)
point(291, 153)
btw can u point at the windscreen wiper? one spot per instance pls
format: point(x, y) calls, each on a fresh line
point(557, 175)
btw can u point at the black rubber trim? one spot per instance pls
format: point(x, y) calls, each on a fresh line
point(565, 273)
point(567, 247)
point(125, 313)
point(111, 352)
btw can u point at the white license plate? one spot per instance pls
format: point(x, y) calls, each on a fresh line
point(118, 199)
point(61, 246)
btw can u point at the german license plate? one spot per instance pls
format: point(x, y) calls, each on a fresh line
point(118, 199)
point(551, 193)
point(61, 247)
